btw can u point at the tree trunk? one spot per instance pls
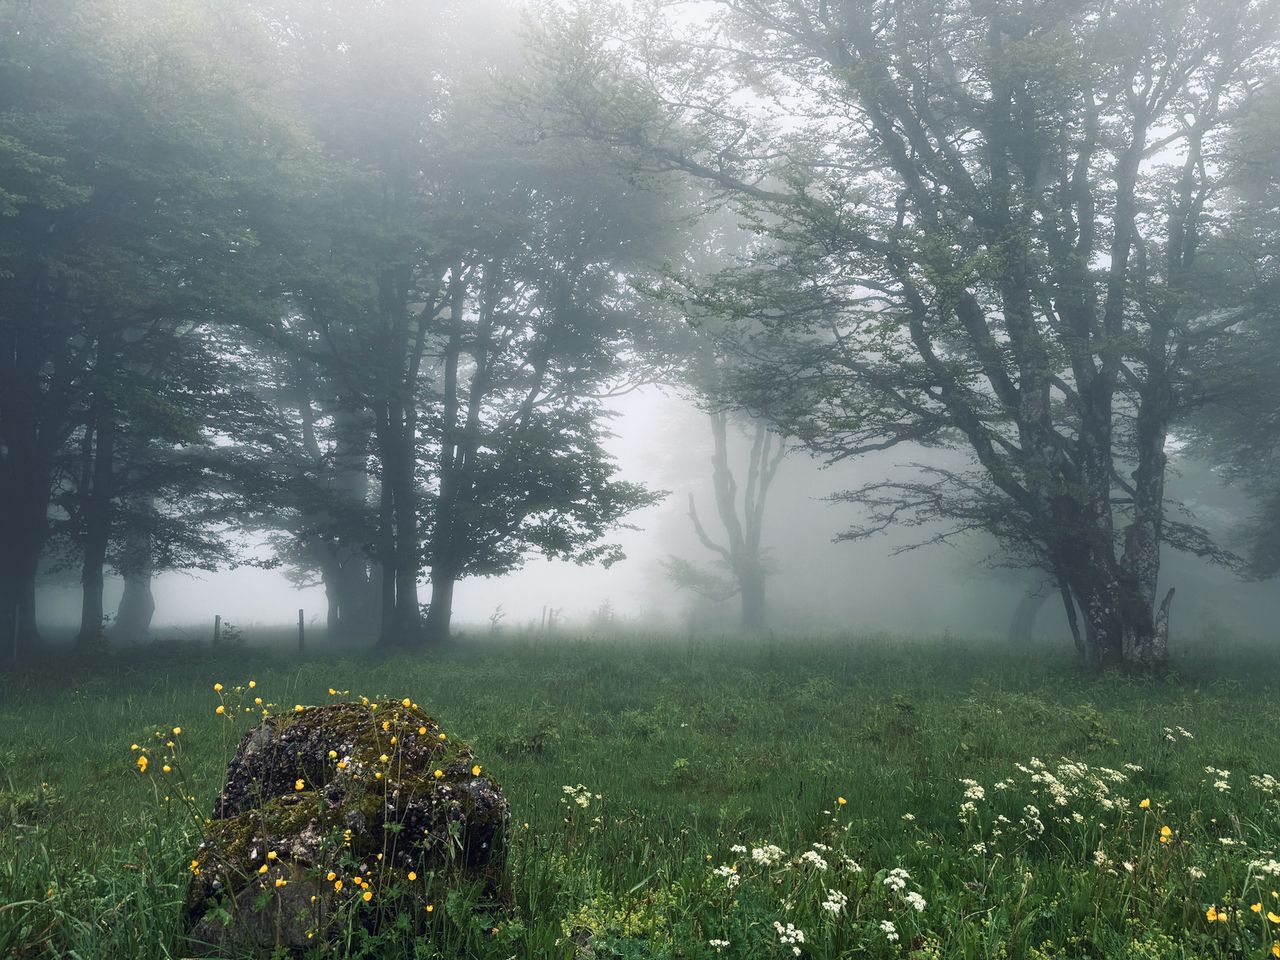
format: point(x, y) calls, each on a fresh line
point(96, 509)
point(137, 607)
point(752, 594)
point(440, 613)
point(1023, 624)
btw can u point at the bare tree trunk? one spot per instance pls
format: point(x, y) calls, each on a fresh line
point(137, 607)
point(440, 613)
point(1022, 627)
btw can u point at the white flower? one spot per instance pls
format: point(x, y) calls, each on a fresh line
point(768, 855)
point(814, 858)
point(890, 931)
point(718, 944)
point(737, 848)
point(909, 817)
point(896, 879)
point(835, 902)
point(1269, 867)
point(978, 848)
point(916, 902)
point(1195, 873)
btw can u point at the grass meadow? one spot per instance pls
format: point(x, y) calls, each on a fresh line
point(705, 797)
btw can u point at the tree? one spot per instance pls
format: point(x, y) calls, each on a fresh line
point(133, 150)
point(983, 225)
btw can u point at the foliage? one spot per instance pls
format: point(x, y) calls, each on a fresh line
point(730, 747)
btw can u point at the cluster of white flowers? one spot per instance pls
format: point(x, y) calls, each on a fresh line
point(789, 936)
point(768, 855)
point(850, 864)
point(916, 902)
point(1270, 868)
point(729, 873)
point(1222, 779)
point(814, 858)
point(1172, 733)
point(909, 817)
point(835, 902)
point(718, 944)
point(1100, 857)
point(1195, 873)
point(1266, 783)
point(896, 879)
point(737, 848)
point(973, 790)
point(890, 931)
point(979, 848)
point(579, 795)
point(1133, 767)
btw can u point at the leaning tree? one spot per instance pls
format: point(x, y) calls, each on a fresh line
point(980, 224)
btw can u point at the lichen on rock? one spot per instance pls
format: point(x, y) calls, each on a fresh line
point(325, 804)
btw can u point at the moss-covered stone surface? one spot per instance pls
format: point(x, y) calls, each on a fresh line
point(323, 805)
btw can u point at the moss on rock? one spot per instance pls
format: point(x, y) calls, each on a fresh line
point(364, 791)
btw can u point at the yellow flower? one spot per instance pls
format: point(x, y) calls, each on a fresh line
point(405, 702)
point(1256, 908)
point(337, 884)
point(263, 868)
point(217, 688)
point(272, 855)
point(298, 708)
point(135, 747)
point(1165, 834)
point(220, 710)
point(377, 775)
point(177, 731)
point(342, 764)
point(475, 771)
point(257, 701)
point(386, 724)
point(1273, 917)
point(332, 876)
point(1275, 949)
point(252, 684)
point(422, 731)
point(299, 784)
point(841, 800)
point(333, 754)
point(166, 769)
point(1211, 914)
point(333, 692)
point(438, 774)
point(383, 759)
point(367, 896)
point(412, 875)
point(1146, 803)
point(441, 737)
point(142, 763)
point(430, 907)
point(281, 881)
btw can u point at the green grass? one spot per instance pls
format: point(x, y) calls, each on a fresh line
point(695, 746)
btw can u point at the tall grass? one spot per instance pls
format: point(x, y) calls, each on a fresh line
point(705, 752)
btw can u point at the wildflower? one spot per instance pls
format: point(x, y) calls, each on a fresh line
point(177, 731)
point(737, 848)
point(1195, 873)
point(438, 774)
point(406, 702)
point(1165, 834)
point(220, 710)
point(413, 875)
point(1273, 916)
point(1213, 915)
point(142, 763)
point(896, 879)
point(299, 784)
point(1145, 803)
point(272, 855)
point(217, 688)
point(263, 868)
point(257, 701)
point(342, 764)
point(386, 725)
point(441, 737)
point(841, 801)
point(281, 881)
point(422, 731)
point(916, 902)
point(331, 876)
point(377, 775)
point(252, 684)
point(166, 769)
point(718, 944)
point(889, 930)
point(333, 692)
point(383, 759)
point(768, 855)
point(430, 908)
point(337, 885)
point(367, 896)
point(135, 747)
point(195, 867)
point(475, 771)
point(835, 902)
point(1256, 907)
point(298, 708)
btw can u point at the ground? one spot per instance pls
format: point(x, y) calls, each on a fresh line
point(651, 779)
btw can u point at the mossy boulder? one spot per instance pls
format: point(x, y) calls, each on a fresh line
point(326, 804)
